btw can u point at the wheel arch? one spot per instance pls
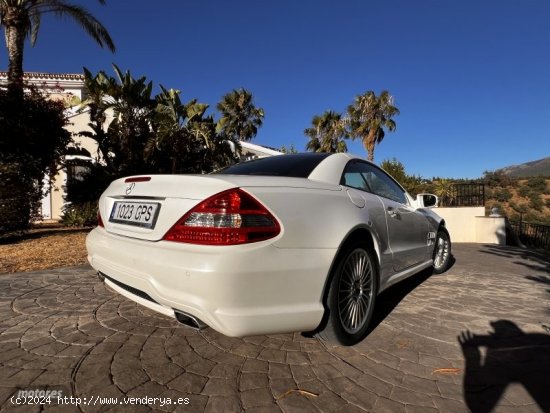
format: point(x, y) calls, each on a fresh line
point(443, 226)
point(362, 233)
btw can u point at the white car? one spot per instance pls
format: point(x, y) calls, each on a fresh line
point(297, 242)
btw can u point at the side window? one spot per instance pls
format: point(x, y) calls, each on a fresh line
point(366, 177)
point(354, 176)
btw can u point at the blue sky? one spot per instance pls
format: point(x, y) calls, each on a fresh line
point(471, 78)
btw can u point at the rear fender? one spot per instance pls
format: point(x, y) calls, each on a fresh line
point(371, 240)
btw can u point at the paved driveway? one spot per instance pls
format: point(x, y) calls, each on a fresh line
point(475, 337)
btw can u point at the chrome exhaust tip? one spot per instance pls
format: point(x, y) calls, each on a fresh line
point(189, 320)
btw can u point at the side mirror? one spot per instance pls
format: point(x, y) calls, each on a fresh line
point(427, 200)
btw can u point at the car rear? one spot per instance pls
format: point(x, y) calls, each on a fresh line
point(205, 249)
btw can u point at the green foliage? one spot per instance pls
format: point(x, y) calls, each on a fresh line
point(32, 141)
point(531, 207)
point(160, 134)
point(81, 215)
point(86, 181)
point(520, 208)
point(525, 191)
point(496, 178)
point(538, 184)
point(535, 202)
point(532, 217)
point(416, 185)
point(327, 133)
point(18, 198)
point(240, 117)
point(413, 184)
point(290, 149)
point(21, 20)
point(370, 116)
point(156, 134)
point(394, 168)
point(186, 140)
point(502, 195)
point(444, 189)
point(127, 141)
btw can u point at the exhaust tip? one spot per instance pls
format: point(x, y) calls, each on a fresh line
point(189, 320)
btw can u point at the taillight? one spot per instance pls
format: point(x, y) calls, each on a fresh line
point(138, 179)
point(99, 220)
point(228, 218)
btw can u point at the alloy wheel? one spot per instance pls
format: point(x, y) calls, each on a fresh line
point(442, 251)
point(355, 291)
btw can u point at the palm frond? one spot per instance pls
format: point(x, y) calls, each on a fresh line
point(81, 15)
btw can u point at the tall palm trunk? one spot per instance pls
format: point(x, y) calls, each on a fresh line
point(369, 142)
point(14, 23)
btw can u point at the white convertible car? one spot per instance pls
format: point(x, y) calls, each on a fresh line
point(298, 242)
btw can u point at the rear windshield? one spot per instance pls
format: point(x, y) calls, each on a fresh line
point(298, 165)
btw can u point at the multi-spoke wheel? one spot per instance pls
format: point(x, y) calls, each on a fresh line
point(351, 296)
point(442, 252)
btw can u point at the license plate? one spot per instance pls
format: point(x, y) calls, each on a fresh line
point(140, 214)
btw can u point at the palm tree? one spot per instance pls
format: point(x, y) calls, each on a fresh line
point(240, 117)
point(445, 190)
point(327, 133)
point(369, 115)
point(21, 19)
point(128, 139)
point(186, 140)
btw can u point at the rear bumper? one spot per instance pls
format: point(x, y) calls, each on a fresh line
point(237, 290)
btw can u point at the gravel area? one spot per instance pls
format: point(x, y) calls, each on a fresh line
point(43, 248)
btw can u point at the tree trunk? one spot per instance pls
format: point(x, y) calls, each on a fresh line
point(14, 24)
point(369, 141)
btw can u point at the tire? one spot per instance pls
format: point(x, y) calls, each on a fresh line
point(351, 296)
point(442, 252)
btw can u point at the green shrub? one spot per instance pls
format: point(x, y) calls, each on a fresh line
point(32, 140)
point(535, 202)
point(90, 183)
point(537, 184)
point(501, 194)
point(80, 215)
point(525, 191)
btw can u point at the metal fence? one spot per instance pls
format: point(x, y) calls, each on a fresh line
point(534, 235)
point(464, 195)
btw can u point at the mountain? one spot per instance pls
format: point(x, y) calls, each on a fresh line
point(533, 168)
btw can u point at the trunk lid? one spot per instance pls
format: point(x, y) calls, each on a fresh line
point(169, 197)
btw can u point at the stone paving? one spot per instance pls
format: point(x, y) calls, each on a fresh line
point(471, 339)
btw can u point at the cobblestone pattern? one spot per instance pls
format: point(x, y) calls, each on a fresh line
point(65, 328)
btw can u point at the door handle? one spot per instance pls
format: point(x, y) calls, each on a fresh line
point(392, 212)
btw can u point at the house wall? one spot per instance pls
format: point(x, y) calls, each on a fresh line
point(469, 224)
point(57, 194)
point(78, 122)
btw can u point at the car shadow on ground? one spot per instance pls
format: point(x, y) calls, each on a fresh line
point(388, 299)
point(507, 355)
